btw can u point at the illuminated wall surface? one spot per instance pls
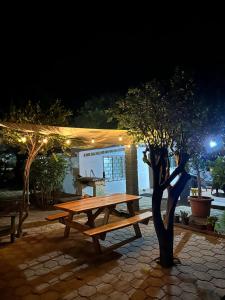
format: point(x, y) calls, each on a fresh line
point(111, 161)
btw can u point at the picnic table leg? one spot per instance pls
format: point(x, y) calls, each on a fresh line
point(13, 228)
point(130, 208)
point(108, 211)
point(67, 228)
point(91, 223)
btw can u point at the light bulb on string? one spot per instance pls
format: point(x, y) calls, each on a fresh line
point(92, 141)
point(23, 139)
point(68, 142)
point(45, 140)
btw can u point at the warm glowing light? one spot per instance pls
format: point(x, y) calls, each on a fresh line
point(128, 146)
point(23, 139)
point(212, 144)
point(120, 138)
point(45, 140)
point(92, 140)
point(137, 146)
point(68, 142)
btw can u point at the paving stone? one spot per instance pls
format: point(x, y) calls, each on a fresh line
point(217, 274)
point(87, 291)
point(99, 297)
point(155, 292)
point(121, 286)
point(173, 290)
point(188, 287)
point(188, 296)
point(155, 282)
point(202, 275)
point(139, 283)
point(213, 266)
point(220, 283)
point(104, 288)
point(171, 280)
point(41, 288)
point(138, 295)
point(118, 296)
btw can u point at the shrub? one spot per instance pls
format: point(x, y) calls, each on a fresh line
point(46, 177)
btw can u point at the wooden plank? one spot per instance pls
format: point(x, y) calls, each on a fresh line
point(119, 224)
point(57, 216)
point(76, 225)
point(95, 202)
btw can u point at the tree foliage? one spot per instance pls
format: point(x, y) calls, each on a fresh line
point(218, 173)
point(94, 114)
point(46, 177)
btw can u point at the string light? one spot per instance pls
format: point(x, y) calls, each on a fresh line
point(45, 140)
point(68, 142)
point(128, 146)
point(92, 140)
point(120, 138)
point(23, 139)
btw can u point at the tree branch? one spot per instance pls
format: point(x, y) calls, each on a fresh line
point(183, 160)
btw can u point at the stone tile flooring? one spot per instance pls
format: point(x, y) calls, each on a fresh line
point(44, 265)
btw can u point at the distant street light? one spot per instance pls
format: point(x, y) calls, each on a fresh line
point(212, 144)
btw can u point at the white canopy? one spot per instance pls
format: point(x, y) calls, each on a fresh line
point(81, 138)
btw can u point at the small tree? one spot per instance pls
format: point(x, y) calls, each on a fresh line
point(218, 173)
point(168, 119)
point(46, 177)
point(33, 142)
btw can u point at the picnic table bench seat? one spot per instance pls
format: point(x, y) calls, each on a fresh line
point(57, 216)
point(119, 224)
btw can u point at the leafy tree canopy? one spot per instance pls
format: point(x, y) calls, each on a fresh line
point(94, 114)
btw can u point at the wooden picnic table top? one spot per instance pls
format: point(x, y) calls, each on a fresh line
point(86, 204)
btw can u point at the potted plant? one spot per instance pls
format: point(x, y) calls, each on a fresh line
point(184, 217)
point(200, 205)
point(211, 221)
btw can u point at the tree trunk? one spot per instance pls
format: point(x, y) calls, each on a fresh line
point(24, 209)
point(199, 183)
point(164, 230)
point(166, 249)
point(165, 236)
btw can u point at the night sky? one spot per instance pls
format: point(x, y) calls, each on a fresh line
point(74, 62)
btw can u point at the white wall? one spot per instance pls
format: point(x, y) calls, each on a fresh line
point(95, 163)
point(68, 183)
point(143, 172)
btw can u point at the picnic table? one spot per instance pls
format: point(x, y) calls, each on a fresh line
point(94, 206)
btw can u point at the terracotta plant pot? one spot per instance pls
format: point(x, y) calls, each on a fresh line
point(210, 227)
point(200, 207)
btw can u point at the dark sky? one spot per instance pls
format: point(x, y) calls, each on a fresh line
point(43, 61)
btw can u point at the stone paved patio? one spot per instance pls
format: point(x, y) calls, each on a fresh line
point(44, 265)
